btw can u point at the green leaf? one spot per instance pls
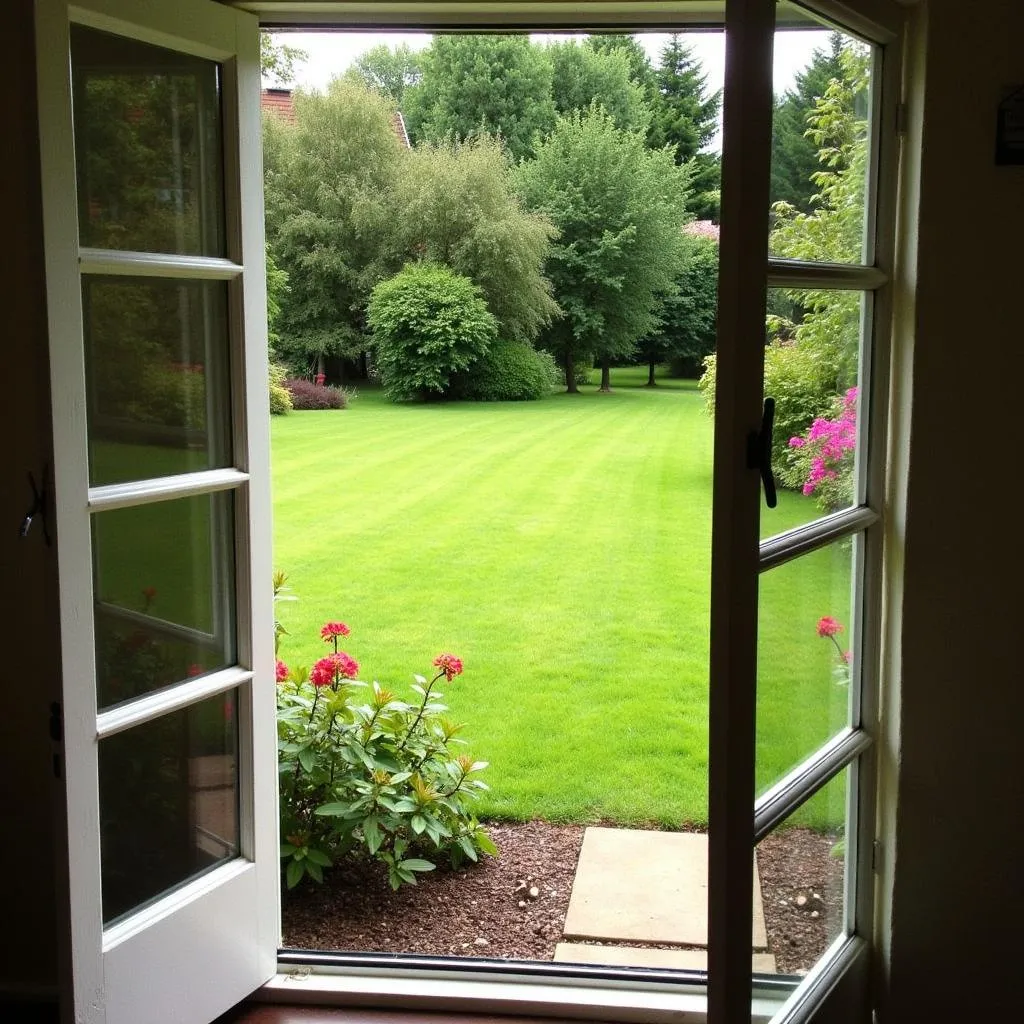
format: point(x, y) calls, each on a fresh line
point(294, 873)
point(466, 844)
point(287, 849)
point(333, 810)
point(319, 857)
point(485, 843)
point(307, 758)
point(314, 869)
point(418, 823)
point(416, 864)
point(372, 834)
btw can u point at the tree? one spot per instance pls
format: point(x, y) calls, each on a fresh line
point(686, 333)
point(794, 153)
point(278, 60)
point(581, 75)
point(327, 184)
point(640, 70)
point(619, 208)
point(477, 84)
point(456, 205)
point(389, 71)
point(686, 118)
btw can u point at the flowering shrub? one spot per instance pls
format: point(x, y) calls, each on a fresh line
point(363, 772)
point(828, 629)
point(820, 461)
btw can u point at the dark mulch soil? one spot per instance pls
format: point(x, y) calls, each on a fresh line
point(513, 906)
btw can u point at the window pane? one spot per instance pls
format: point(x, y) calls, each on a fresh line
point(805, 659)
point(802, 865)
point(820, 141)
point(165, 598)
point(813, 371)
point(157, 377)
point(148, 144)
point(168, 802)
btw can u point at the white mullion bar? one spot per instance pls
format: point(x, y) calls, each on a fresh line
point(838, 276)
point(784, 547)
point(806, 779)
point(172, 698)
point(172, 629)
point(149, 264)
point(145, 492)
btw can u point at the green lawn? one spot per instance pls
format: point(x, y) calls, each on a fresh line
point(562, 549)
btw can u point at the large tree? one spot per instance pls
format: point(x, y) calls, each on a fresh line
point(686, 118)
point(477, 84)
point(278, 59)
point(582, 75)
point(389, 71)
point(640, 70)
point(619, 208)
point(794, 152)
point(455, 205)
point(327, 182)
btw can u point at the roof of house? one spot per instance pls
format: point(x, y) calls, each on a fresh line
point(281, 102)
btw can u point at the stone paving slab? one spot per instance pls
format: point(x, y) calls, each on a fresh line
point(635, 885)
point(648, 956)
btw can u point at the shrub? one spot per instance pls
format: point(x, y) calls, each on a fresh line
point(307, 395)
point(428, 324)
point(511, 371)
point(364, 772)
point(280, 398)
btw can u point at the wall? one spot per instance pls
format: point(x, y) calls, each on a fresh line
point(28, 963)
point(957, 888)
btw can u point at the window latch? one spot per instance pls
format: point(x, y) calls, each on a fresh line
point(38, 508)
point(759, 452)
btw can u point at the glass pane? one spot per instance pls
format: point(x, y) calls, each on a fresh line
point(148, 143)
point(820, 141)
point(802, 867)
point(812, 370)
point(168, 802)
point(157, 377)
point(165, 595)
point(805, 658)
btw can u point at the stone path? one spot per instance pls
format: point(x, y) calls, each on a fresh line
point(638, 886)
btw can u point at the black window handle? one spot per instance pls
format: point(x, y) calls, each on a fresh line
point(759, 452)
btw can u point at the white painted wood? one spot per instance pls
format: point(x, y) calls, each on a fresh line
point(168, 700)
point(149, 264)
point(841, 276)
point(195, 952)
point(164, 488)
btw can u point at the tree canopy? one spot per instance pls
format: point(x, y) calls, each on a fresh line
point(388, 70)
point(582, 75)
point(619, 209)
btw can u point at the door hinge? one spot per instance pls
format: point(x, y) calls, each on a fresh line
point(876, 855)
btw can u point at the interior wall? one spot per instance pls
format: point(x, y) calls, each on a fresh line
point(28, 959)
point(957, 888)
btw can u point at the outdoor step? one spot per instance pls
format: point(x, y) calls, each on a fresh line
point(636, 885)
point(648, 956)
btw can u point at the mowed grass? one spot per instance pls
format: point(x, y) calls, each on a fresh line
point(562, 549)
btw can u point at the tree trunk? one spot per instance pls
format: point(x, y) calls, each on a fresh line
point(364, 369)
point(570, 374)
point(606, 374)
point(651, 382)
point(319, 363)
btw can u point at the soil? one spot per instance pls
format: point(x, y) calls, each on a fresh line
point(513, 906)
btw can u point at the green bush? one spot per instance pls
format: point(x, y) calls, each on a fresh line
point(280, 399)
point(428, 324)
point(511, 371)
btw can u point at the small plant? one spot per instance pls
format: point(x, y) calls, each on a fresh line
point(364, 772)
point(829, 628)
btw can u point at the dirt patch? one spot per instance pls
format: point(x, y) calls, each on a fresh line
point(513, 906)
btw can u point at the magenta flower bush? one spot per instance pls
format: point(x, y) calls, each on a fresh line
point(821, 460)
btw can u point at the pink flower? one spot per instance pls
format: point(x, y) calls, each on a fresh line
point(282, 671)
point(320, 378)
point(329, 630)
point(326, 670)
point(195, 670)
point(827, 626)
point(449, 665)
point(848, 656)
point(796, 442)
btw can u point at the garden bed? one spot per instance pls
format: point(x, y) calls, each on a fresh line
point(487, 910)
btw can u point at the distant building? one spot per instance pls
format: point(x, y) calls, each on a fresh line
point(281, 103)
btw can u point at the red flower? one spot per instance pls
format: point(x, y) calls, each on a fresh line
point(340, 664)
point(195, 670)
point(827, 626)
point(449, 665)
point(282, 671)
point(149, 593)
point(329, 630)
